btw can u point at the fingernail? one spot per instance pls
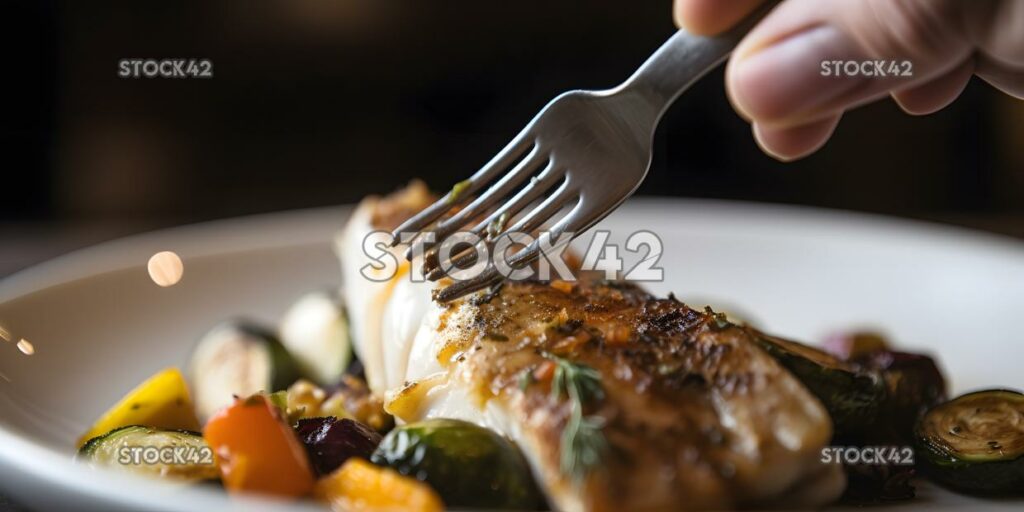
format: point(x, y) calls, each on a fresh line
point(784, 80)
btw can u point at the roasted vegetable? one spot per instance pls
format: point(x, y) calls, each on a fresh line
point(359, 486)
point(913, 384)
point(852, 396)
point(469, 466)
point(975, 443)
point(350, 399)
point(315, 332)
point(149, 451)
point(257, 451)
point(877, 483)
point(363, 405)
point(238, 359)
point(854, 345)
point(307, 400)
point(331, 441)
point(162, 401)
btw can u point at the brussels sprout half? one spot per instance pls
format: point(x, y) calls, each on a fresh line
point(468, 465)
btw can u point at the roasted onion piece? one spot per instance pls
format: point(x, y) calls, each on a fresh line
point(331, 441)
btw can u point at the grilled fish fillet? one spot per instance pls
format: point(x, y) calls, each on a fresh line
point(692, 414)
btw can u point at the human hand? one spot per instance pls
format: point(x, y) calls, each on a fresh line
point(776, 78)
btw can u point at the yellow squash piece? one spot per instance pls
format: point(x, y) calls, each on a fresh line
point(359, 486)
point(162, 401)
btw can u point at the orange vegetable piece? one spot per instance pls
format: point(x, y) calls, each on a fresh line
point(358, 486)
point(257, 451)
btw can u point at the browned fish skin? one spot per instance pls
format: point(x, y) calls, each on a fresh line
point(696, 415)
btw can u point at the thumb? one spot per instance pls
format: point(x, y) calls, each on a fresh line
point(810, 60)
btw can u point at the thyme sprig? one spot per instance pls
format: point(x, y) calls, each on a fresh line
point(580, 382)
point(583, 444)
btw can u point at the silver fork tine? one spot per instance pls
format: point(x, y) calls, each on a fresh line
point(495, 193)
point(527, 224)
point(436, 272)
point(570, 223)
point(485, 175)
point(490, 276)
point(522, 199)
point(461, 288)
point(547, 179)
point(545, 210)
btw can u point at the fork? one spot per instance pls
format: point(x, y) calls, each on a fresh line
point(586, 151)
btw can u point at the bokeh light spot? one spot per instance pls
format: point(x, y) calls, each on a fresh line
point(26, 347)
point(165, 268)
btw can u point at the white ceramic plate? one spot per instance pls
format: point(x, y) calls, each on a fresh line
point(99, 325)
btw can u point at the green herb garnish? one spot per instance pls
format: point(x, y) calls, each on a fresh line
point(580, 382)
point(497, 226)
point(582, 444)
point(459, 189)
point(279, 399)
point(586, 443)
point(525, 379)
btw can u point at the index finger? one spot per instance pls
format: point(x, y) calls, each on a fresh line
point(709, 17)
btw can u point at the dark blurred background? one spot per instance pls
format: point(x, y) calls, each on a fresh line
point(318, 103)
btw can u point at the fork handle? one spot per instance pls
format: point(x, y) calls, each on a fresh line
point(684, 59)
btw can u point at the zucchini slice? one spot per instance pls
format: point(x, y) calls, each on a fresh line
point(238, 359)
point(180, 454)
point(852, 396)
point(469, 466)
point(315, 332)
point(975, 443)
